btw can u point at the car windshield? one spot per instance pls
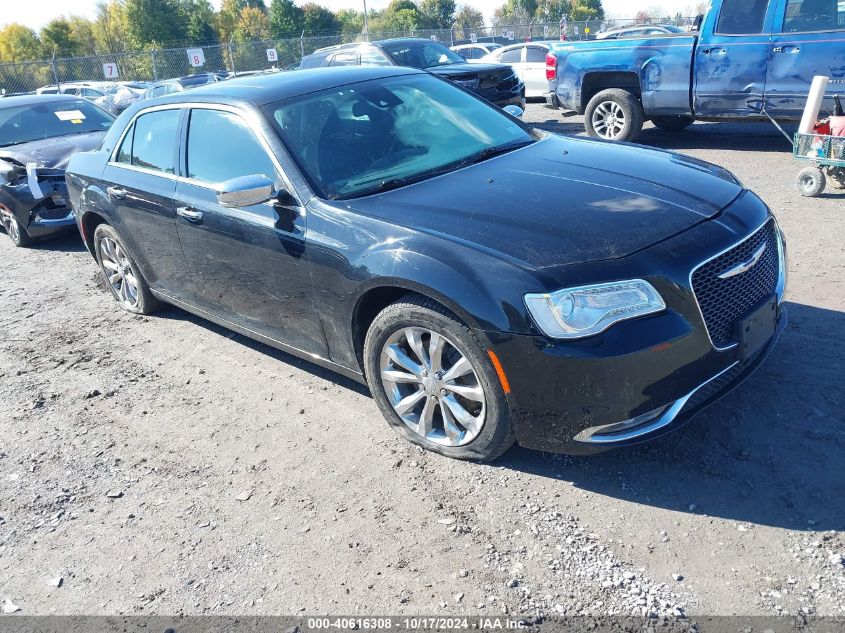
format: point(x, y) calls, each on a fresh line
point(49, 119)
point(377, 135)
point(421, 54)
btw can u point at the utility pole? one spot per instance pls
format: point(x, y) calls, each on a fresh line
point(366, 23)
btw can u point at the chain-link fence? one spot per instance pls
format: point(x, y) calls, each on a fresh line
point(235, 58)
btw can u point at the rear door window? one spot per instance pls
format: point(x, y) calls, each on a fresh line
point(806, 16)
point(742, 17)
point(344, 59)
point(155, 139)
point(511, 56)
point(373, 57)
point(222, 146)
point(535, 55)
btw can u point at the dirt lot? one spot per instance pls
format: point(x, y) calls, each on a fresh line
point(164, 465)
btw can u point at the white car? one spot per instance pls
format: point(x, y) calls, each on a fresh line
point(114, 97)
point(528, 60)
point(474, 52)
point(644, 30)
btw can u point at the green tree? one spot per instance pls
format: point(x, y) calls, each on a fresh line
point(469, 20)
point(285, 19)
point(110, 27)
point(595, 6)
point(199, 21)
point(253, 24)
point(82, 33)
point(317, 19)
point(154, 22)
point(437, 14)
point(351, 21)
point(18, 44)
point(552, 10)
point(57, 37)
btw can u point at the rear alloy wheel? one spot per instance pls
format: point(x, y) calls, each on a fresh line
point(672, 123)
point(434, 382)
point(811, 182)
point(16, 232)
point(615, 115)
point(121, 274)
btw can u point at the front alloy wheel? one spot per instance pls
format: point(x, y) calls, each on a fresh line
point(432, 386)
point(433, 380)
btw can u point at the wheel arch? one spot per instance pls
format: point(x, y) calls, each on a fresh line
point(89, 222)
point(594, 82)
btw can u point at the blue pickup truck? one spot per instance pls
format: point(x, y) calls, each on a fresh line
point(747, 55)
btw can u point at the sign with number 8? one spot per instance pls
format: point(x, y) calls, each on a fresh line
point(196, 57)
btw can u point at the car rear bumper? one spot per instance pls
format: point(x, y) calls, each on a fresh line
point(43, 227)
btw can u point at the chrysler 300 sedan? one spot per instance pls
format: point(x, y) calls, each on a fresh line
point(490, 282)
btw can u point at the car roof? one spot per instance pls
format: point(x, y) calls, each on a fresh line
point(263, 89)
point(23, 100)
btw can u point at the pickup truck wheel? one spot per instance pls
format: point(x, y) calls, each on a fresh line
point(672, 123)
point(615, 115)
point(811, 182)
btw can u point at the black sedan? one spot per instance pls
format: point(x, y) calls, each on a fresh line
point(38, 134)
point(490, 282)
point(497, 83)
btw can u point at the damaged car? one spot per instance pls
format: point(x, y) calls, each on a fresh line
point(38, 135)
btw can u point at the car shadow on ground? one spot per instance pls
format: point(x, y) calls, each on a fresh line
point(178, 314)
point(69, 242)
point(742, 137)
point(770, 453)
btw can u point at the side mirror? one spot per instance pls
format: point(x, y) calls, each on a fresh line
point(514, 111)
point(245, 191)
point(696, 26)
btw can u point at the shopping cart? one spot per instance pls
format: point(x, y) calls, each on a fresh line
point(826, 155)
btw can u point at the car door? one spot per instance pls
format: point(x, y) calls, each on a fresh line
point(536, 84)
point(140, 181)
point(809, 40)
point(247, 262)
point(730, 59)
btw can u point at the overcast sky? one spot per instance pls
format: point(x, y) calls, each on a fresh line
point(35, 13)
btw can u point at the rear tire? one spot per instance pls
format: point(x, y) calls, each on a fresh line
point(465, 417)
point(614, 115)
point(16, 232)
point(672, 123)
point(836, 177)
point(121, 273)
point(811, 182)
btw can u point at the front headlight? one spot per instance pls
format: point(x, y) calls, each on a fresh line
point(586, 310)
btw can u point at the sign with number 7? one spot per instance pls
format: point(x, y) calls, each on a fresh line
point(110, 70)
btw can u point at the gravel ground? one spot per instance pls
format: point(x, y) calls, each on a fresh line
point(166, 466)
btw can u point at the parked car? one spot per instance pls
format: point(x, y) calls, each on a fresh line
point(528, 61)
point(639, 30)
point(489, 281)
point(497, 83)
point(473, 53)
point(113, 97)
point(38, 134)
point(169, 86)
point(747, 55)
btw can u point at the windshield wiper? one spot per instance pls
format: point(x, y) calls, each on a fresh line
point(490, 152)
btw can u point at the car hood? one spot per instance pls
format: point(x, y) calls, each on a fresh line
point(52, 153)
point(562, 201)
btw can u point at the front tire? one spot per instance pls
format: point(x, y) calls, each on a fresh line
point(434, 382)
point(614, 115)
point(672, 123)
point(121, 273)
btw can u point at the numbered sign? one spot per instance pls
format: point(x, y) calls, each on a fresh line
point(510, 35)
point(545, 32)
point(504, 32)
point(110, 70)
point(473, 37)
point(272, 55)
point(433, 38)
point(196, 57)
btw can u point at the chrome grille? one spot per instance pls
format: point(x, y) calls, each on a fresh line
point(724, 301)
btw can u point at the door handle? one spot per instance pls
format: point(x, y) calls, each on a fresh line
point(191, 215)
point(786, 49)
point(116, 192)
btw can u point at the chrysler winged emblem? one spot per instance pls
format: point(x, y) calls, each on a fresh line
point(745, 266)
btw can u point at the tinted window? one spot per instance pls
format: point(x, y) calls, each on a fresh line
point(48, 119)
point(421, 54)
point(512, 56)
point(155, 140)
point(221, 146)
point(344, 59)
point(536, 55)
point(478, 53)
point(814, 15)
point(124, 154)
point(466, 53)
point(359, 138)
point(374, 57)
point(740, 17)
